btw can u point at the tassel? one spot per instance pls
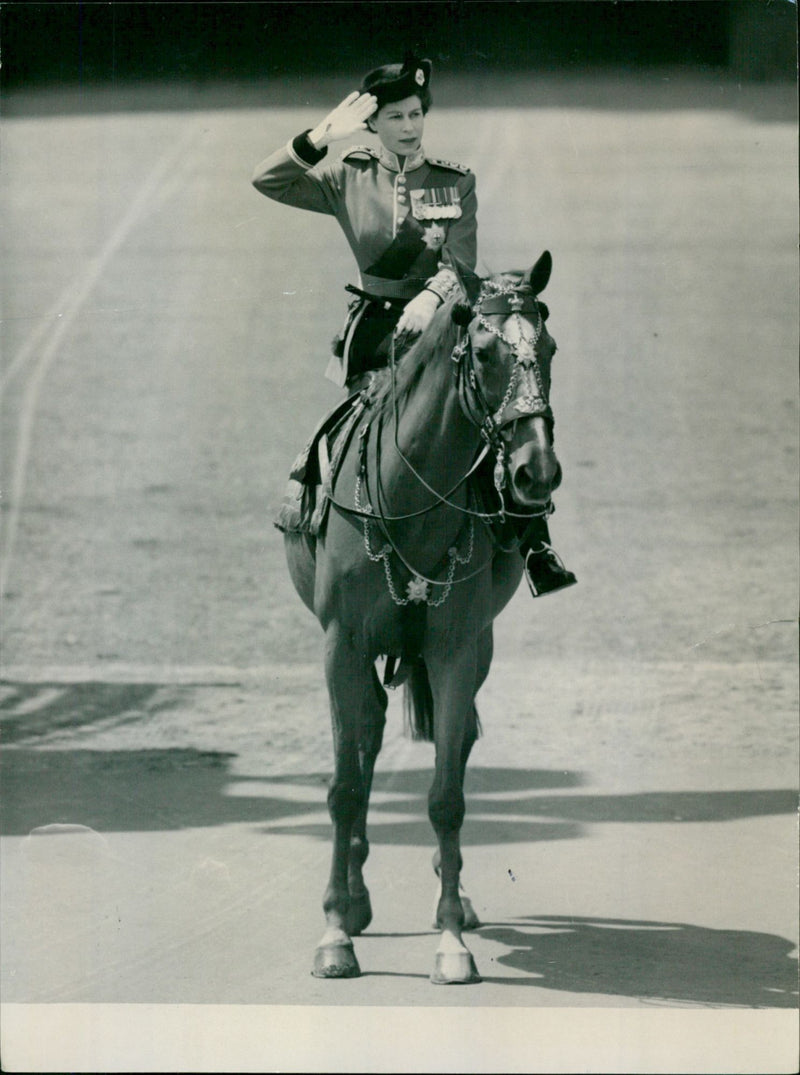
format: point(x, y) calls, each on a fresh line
point(500, 471)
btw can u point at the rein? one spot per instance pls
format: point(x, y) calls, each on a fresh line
point(494, 299)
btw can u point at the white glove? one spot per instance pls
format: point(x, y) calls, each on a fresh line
point(345, 120)
point(418, 314)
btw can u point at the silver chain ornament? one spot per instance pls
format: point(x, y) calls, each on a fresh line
point(418, 588)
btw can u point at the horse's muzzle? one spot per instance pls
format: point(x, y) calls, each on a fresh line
point(534, 473)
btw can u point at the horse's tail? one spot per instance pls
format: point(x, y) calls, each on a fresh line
point(418, 702)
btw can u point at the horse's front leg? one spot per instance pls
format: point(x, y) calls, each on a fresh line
point(471, 920)
point(370, 740)
point(348, 677)
point(455, 732)
point(484, 661)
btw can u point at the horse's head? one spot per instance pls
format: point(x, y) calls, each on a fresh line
point(504, 356)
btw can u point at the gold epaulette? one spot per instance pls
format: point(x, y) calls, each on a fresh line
point(450, 165)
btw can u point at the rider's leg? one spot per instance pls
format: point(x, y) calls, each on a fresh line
point(369, 346)
point(544, 570)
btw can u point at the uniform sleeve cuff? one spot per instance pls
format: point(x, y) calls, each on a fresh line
point(443, 284)
point(303, 152)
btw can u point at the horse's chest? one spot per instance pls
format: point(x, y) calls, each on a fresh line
point(365, 601)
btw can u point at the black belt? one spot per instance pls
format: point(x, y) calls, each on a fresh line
point(379, 300)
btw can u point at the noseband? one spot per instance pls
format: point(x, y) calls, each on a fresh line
point(526, 394)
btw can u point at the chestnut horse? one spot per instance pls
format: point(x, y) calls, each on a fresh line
point(413, 563)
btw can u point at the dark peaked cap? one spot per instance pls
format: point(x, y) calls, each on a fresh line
point(395, 82)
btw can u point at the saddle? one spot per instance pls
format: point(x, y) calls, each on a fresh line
point(304, 508)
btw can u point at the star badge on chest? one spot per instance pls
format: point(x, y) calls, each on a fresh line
point(434, 236)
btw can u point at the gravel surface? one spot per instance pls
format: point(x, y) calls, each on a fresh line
point(631, 831)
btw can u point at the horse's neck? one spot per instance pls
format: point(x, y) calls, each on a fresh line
point(433, 435)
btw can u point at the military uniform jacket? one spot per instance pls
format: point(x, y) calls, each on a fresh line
point(399, 222)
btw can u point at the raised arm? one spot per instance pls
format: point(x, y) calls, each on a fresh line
point(348, 118)
point(286, 176)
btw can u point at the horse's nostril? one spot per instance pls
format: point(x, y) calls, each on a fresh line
point(528, 488)
point(534, 475)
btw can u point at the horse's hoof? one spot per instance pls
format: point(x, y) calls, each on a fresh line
point(455, 968)
point(359, 914)
point(336, 961)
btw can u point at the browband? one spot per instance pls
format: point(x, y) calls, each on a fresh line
point(509, 304)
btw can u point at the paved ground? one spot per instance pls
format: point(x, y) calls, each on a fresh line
point(631, 834)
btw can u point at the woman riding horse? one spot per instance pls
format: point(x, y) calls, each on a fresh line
point(408, 218)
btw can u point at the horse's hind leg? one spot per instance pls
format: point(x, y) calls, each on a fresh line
point(349, 685)
point(359, 914)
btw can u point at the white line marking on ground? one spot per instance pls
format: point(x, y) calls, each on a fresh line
point(59, 321)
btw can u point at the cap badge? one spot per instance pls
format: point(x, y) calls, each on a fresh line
point(419, 77)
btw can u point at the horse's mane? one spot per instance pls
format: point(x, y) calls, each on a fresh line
point(434, 345)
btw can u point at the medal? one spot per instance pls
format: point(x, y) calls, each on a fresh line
point(436, 203)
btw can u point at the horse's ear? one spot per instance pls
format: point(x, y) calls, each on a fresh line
point(540, 273)
point(469, 280)
point(471, 283)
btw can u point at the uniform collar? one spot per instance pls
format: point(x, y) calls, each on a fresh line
point(392, 161)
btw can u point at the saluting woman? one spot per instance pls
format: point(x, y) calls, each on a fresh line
point(397, 207)
point(403, 213)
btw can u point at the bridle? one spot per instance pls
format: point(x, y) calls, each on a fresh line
point(495, 425)
point(532, 400)
point(525, 397)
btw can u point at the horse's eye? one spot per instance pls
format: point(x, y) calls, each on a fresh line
point(484, 345)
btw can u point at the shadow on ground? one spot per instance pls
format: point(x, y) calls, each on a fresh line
point(31, 710)
point(665, 961)
point(167, 789)
point(534, 818)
